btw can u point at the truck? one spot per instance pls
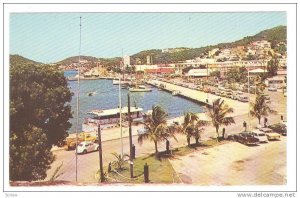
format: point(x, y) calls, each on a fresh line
point(83, 136)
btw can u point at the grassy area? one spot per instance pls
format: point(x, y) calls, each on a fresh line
point(160, 170)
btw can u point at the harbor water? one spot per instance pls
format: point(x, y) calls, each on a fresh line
point(105, 95)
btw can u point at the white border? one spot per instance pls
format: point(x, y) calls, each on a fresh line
point(291, 31)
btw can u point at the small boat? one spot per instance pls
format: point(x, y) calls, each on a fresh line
point(140, 88)
point(91, 93)
point(175, 92)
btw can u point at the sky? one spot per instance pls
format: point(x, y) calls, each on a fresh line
point(51, 37)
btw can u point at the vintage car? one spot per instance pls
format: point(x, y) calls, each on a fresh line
point(246, 138)
point(270, 134)
point(87, 146)
point(260, 135)
point(279, 128)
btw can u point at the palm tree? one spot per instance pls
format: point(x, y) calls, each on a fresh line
point(260, 107)
point(189, 125)
point(218, 114)
point(120, 161)
point(156, 127)
point(199, 130)
point(192, 127)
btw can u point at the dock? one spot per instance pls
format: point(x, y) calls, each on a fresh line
point(240, 108)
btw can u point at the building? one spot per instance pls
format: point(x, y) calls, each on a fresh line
point(196, 73)
point(212, 52)
point(263, 44)
point(160, 71)
point(276, 81)
point(173, 50)
point(126, 60)
point(149, 60)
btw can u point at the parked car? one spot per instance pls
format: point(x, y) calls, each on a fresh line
point(85, 147)
point(272, 89)
point(270, 134)
point(243, 98)
point(246, 138)
point(279, 128)
point(260, 135)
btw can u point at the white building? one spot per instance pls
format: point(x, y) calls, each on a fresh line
point(198, 73)
point(144, 67)
point(126, 60)
point(263, 44)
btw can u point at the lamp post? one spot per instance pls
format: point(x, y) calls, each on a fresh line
point(100, 154)
point(130, 138)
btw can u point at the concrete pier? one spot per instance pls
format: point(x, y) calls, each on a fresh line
point(240, 108)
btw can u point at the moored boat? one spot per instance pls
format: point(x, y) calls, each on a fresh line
point(109, 118)
point(175, 92)
point(140, 88)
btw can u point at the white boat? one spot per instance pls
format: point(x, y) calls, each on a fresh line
point(122, 82)
point(175, 92)
point(140, 88)
point(109, 118)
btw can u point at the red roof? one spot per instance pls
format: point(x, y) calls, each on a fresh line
point(160, 70)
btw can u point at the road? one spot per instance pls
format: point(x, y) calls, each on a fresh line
point(235, 164)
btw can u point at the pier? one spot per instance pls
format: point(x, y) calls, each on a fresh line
point(240, 108)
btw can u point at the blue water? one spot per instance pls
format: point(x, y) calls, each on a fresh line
point(107, 96)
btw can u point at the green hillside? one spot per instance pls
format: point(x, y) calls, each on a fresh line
point(17, 59)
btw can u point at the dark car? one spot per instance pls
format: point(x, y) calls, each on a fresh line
point(279, 128)
point(246, 138)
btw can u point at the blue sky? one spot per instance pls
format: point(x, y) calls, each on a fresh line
point(50, 37)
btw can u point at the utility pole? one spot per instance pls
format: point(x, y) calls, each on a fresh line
point(130, 138)
point(78, 86)
point(100, 153)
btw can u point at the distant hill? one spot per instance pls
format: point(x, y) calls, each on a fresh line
point(74, 59)
point(273, 35)
point(17, 59)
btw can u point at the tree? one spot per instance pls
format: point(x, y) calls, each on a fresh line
point(216, 73)
point(236, 74)
point(272, 66)
point(39, 114)
point(218, 114)
point(189, 125)
point(120, 161)
point(260, 107)
point(156, 127)
point(30, 155)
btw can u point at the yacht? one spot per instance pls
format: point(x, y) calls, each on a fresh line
point(109, 118)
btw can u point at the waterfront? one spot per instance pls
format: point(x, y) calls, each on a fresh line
point(107, 96)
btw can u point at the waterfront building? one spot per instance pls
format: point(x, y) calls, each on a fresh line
point(198, 73)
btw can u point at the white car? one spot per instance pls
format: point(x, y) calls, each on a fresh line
point(260, 135)
point(272, 89)
point(244, 99)
point(270, 134)
point(85, 147)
